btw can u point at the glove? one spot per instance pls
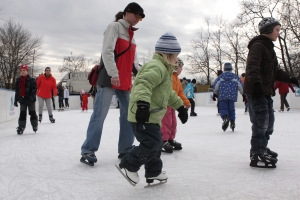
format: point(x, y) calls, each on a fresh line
point(244, 98)
point(294, 81)
point(183, 114)
point(257, 90)
point(214, 97)
point(16, 103)
point(142, 113)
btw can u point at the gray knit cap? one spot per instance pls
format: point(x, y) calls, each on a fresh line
point(167, 44)
point(267, 24)
point(227, 67)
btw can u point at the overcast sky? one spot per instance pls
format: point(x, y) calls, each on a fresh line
point(77, 26)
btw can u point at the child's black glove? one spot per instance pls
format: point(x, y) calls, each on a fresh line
point(257, 90)
point(16, 103)
point(294, 81)
point(142, 113)
point(183, 114)
point(214, 97)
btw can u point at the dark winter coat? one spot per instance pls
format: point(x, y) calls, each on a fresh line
point(30, 86)
point(262, 66)
point(227, 85)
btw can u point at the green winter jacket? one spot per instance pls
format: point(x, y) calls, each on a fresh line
point(153, 84)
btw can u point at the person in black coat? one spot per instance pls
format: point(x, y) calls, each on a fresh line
point(25, 94)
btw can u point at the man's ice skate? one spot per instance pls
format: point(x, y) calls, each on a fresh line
point(20, 130)
point(225, 123)
point(52, 120)
point(266, 161)
point(162, 178)
point(272, 153)
point(132, 177)
point(88, 159)
point(288, 109)
point(193, 114)
point(40, 118)
point(232, 125)
point(167, 147)
point(176, 145)
point(35, 128)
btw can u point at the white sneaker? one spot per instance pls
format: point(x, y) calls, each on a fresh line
point(133, 176)
point(162, 177)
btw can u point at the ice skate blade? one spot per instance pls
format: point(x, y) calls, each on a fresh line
point(265, 165)
point(129, 181)
point(156, 184)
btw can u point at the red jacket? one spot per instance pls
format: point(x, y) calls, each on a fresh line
point(283, 87)
point(45, 86)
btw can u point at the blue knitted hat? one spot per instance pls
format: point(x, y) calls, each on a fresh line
point(167, 44)
point(227, 66)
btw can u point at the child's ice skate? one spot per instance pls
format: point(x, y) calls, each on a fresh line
point(35, 128)
point(20, 130)
point(52, 120)
point(40, 118)
point(162, 178)
point(232, 125)
point(225, 123)
point(265, 158)
point(176, 145)
point(88, 159)
point(167, 147)
point(132, 177)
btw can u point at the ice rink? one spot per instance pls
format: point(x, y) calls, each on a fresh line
point(212, 164)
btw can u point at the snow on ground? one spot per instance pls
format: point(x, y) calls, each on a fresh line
point(212, 165)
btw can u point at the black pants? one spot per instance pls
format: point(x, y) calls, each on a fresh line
point(67, 102)
point(61, 102)
point(192, 105)
point(23, 114)
point(283, 101)
point(53, 103)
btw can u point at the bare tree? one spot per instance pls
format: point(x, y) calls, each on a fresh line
point(17, 46)
point(75, 63)
point(145, 57)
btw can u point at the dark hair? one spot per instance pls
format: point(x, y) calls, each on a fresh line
point(119, 15)
point(47, 68)
point(194, 81)
point(243, 74)
point(184, 78)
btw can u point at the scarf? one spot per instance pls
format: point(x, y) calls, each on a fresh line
point(23, 85)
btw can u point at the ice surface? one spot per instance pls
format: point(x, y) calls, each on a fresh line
point(212, 165)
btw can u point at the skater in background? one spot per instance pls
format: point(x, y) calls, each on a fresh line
point(261, 72)
point(60, 97)
point(85, 100)
point(245, 100)
point(169, 122)
point(226, 87)
point(53, 102)
point(189, 93)
point(25, 94)
point(66, 97)
point(114, 78)
point(93, 92)
point(283, 91)
point(184, 83)
point(152, 90)
point(46, 88)
point(219, 72)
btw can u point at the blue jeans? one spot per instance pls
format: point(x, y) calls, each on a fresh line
point(262, 118)
point(227, 108)
point(147, 153)
point(102, 103)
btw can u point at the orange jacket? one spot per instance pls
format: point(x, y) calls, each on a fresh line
point(46, 86)
point(177, 87)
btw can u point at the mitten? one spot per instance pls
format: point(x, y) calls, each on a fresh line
point(214, 97)
point(257, 90)
point(183, 114)
point(16, 103)
point(142, 113)
point(294, 81)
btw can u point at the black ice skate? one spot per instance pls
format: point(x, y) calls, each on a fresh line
point(40, 118)
point(162, 178)
point(225, 123)
point(193, 114)
point(35, 128)
point(272, 153)
point(88, 159)
point(52, 120)
point(167, 147)
point(20, 130)
point(132, 177)
point(176, 145)
point(232, 125)
point(266, 161)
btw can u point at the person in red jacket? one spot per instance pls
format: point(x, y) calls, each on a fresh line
point(46, 86)
point(85, 100)
point(283, 91)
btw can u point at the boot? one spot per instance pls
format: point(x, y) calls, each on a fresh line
point(176, 145)
point(225, 123)
point(167, 147)
point(52, 120)
point(40, 118)
point(232, 125)
point(193, 114)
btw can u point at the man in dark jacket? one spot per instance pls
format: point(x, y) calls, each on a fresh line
point(25, 89)
point(262, 71)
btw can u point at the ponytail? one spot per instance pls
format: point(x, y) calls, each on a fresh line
point(119, 15)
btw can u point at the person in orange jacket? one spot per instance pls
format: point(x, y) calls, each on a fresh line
point(169, 123)
point(85, 100)
point(283, 91)
point(46, 87)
